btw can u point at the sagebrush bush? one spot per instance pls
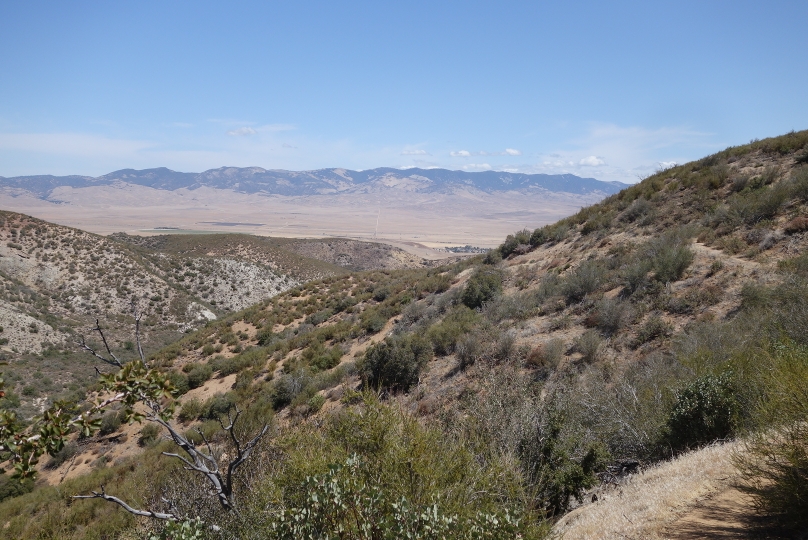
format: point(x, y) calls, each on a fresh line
point(148, 435)
point(191, 410)
point(546, 355)
point(468, 350)
point(198, 375)
point(612, 314)
point(670, 256)
point(654, 328)
point(583, 280)
point(590, 345)
point(110, 423)
point(512, 241)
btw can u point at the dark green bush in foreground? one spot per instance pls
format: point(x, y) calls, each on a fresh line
point(705, 410)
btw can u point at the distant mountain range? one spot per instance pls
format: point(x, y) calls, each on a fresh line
point(322, 181)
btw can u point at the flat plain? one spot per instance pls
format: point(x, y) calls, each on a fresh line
point(404, 219)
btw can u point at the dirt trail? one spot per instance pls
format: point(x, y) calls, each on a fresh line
point(727, 514)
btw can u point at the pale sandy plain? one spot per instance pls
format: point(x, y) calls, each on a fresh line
point(413, 221)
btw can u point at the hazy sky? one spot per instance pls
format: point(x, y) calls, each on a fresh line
point(609, 90)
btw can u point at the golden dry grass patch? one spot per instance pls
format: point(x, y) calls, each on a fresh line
point(645, 504)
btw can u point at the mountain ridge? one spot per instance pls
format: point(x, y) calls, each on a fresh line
point(320, 181)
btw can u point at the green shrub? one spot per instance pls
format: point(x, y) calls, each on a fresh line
point(251, 358)
point(180, 382)
point(705, 410)
point(198, 375)
point(547, 355)
point(110, 423)
point(512, 241)
point(217, 405)
point(316, 403)
point(372, 320)
point(342, 503)
point(484, 285)
point(612, 314)
point(774, 465)
point(148, 435)
point(655, 327)
point(444, 335)
point(638, 208)
point(322, 358)
point(468, 350)
point(67, 452)
point(396, 363)
point(191, 410)
point(670, 257)
point(14, 487)
point(550, 466)
point(288, 386)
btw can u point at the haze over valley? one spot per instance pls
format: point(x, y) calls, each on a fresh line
point(432, 207)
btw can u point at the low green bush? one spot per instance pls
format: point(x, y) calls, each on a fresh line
point(705, 410)
point(217, 406)
point(14, 487)
point(444, 335)
point(583, 280)
point(483, 286)
point(198, 375)
point(110, 423)
point(149, 435)
point(395, 363)
point(191, 410)
point(654, 328)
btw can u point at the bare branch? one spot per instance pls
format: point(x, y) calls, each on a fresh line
point(145, 513)
point(113, 362)
point(98, 329)
point(138, 315)
point(242, 455)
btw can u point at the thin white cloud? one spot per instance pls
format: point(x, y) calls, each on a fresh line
point(477, 167)
point(466, 153)
point(242, 132)
point(416, 152)
point(592, 161)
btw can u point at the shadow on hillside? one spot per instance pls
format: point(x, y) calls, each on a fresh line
point(720, 522)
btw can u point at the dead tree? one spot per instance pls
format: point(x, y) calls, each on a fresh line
point(137, 382)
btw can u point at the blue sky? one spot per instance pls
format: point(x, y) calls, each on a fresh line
point(610, 90)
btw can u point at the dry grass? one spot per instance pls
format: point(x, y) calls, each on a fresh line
point(647, 502)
